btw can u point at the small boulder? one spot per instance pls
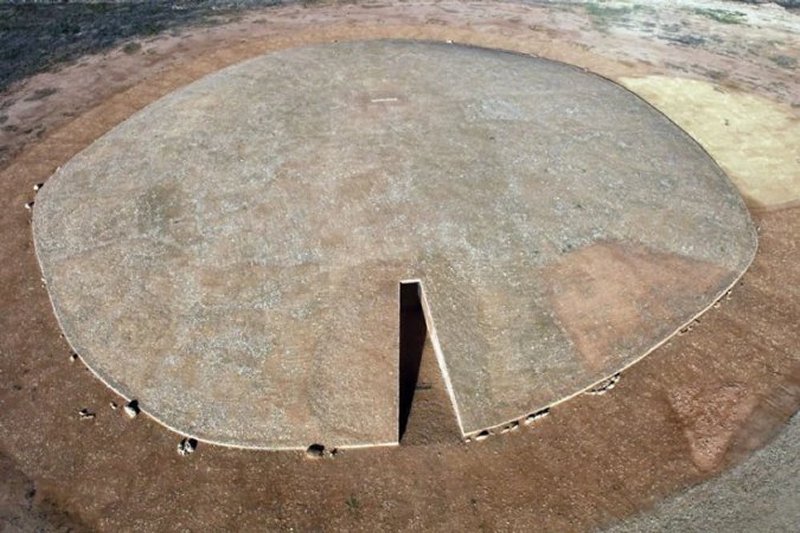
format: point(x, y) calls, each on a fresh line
point(187, 446)
point(132, 408)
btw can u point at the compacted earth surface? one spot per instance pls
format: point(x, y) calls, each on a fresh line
point(712, 407)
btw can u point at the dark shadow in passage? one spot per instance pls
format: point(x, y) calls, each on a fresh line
point(413, 332)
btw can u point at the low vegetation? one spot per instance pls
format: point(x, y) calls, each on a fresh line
point(722, 15)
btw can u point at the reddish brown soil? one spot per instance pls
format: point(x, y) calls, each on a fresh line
point(695, 406)
point(606, 284)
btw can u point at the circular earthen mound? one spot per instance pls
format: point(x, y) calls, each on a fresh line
point(231, 255)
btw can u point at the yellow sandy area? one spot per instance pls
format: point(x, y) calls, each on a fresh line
point(754, 139)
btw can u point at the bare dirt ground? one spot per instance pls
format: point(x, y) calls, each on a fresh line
point(695, 407)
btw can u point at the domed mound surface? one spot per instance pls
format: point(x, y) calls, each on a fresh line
point(231, 255)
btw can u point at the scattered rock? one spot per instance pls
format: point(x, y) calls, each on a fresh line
point(38, 186)
point(29, 206)
point(187, 446)
point(483, 435)
point(538, 415)
point(315, 451)
point(85, 414)
point(605, 386)
point(113, 405)
point(330, 454)
point(510, 427)
point(132, 408)
point(73, 357)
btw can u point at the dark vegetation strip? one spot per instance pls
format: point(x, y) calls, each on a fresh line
point(40, 35)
